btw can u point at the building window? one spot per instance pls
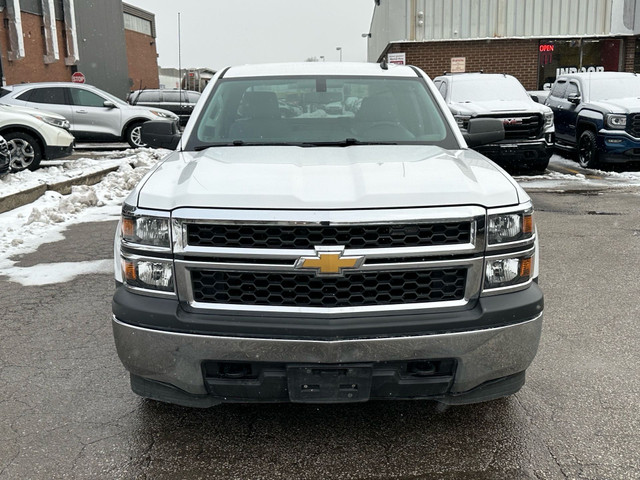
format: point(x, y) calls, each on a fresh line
point(557, 57)
point(636, 56)
point(137, 24)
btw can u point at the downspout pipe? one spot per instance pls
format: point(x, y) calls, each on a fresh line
point(71, 32)
point(16, 40)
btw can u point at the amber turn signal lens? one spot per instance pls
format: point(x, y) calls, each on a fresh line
point(129, 270)
point(128, 227)
point(525, 267)
point(527, 224)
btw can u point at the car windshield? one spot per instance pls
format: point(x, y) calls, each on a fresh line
point(487, 89)
point(607, 88)
point(326, 110)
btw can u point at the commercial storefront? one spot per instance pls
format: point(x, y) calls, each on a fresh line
point(578, 55)
point(534, 40)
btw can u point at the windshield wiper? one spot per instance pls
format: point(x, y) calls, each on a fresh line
point(347, 142)
point(241, 143)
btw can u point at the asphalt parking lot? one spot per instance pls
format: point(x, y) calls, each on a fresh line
point(66, 410)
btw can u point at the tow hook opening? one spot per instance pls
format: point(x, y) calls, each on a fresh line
point(421, 369)
point(234, 370)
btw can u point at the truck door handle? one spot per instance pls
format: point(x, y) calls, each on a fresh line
point(82, 111)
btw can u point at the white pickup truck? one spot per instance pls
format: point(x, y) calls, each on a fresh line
point(322, 233)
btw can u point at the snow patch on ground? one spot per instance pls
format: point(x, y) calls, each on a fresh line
point(594, 178)
point(49, 273)
point(24, 229)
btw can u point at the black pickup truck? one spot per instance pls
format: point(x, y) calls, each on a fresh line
point(597, 115)
point(179, 102)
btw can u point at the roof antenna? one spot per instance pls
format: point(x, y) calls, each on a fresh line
point(384, 65)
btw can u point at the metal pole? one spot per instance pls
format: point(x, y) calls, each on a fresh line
point(179, 58)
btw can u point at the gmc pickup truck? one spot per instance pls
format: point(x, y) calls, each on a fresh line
point(598, 116)
point(352, 249)
point(528, 125)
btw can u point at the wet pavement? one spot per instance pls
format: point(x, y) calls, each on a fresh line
point(66, 410)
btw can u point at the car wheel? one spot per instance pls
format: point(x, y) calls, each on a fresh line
point(25, 151)
point(587, 150)
point(134, 135)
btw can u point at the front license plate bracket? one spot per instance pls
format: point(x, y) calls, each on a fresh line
point(329, 384)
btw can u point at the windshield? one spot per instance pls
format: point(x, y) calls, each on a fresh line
point(488, 89)
point(607, 88)
point(321, 110)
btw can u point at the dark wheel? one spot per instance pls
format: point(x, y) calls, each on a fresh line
point(133, 135)
point(587, 150)
point(25, 151)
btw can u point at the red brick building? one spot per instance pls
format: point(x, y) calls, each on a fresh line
point(142, 56)
point(111, 43)
point(34, 45)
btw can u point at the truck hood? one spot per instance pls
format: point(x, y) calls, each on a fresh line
point(354, 177)
point(619, 105)
point(497, 106)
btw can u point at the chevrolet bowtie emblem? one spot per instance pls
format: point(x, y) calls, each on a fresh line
point(329, 261)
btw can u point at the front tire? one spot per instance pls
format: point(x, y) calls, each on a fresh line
point(25, 151)
point(587, 150)
point(133, 135)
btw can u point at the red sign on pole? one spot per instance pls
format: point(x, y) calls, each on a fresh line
point(77, 77)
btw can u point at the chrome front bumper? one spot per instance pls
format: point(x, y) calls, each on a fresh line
point(176, 358)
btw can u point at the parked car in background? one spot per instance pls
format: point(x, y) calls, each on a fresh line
point(94, 115)
point(33, 135)
point(598, 116)
point(180, 102)
point(5, 157)
point(528, 125)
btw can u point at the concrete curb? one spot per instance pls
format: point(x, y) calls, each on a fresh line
point(24, 197)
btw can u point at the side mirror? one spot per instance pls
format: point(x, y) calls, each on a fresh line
point(160, 134)
point(574, 98)
point(535, 98)
point(481, 131)
point(109, 104)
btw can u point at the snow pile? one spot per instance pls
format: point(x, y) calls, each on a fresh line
point(58, 172)
point(24, 229)
point(593, 178)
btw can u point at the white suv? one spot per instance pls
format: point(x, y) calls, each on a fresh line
point(94, 115)
point(33, 136)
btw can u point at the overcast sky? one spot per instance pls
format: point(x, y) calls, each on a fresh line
point(218, 33)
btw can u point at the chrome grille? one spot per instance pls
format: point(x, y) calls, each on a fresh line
point(249, 260)
point(350, 290)
point(308, 237)
point(520, 126)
